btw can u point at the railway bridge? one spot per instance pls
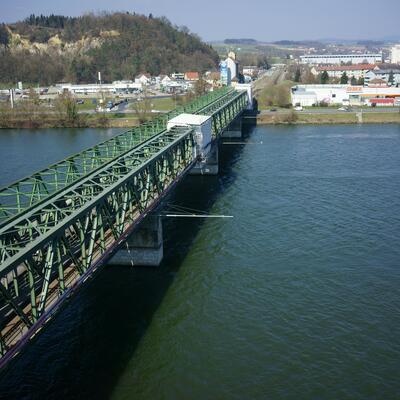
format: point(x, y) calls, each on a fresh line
point(58, 226)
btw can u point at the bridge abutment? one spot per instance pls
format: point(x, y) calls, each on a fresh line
point(144, 247)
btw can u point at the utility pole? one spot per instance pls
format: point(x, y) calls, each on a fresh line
point(101, 90)
point(12, 98)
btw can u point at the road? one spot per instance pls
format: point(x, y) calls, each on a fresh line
point(333, 111)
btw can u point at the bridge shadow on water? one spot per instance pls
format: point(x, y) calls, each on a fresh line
point(82, 353)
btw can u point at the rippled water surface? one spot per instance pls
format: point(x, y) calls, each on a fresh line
point(296, 297)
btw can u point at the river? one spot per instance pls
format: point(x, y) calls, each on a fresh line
point(296, 297)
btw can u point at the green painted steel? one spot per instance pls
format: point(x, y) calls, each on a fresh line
point(80, 210)
point(25, 193)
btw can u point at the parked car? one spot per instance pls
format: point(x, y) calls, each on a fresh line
point(80, 101)
point(298, 108)
point(272, 109)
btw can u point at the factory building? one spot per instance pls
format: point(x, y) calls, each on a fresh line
point(316, 59)
point(115, 87)
point(314, 95)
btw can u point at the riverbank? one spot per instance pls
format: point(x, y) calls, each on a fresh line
point(328, 118)
point(40, 121)
point(37, 121)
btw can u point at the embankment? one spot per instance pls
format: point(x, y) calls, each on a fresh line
point(292, 117)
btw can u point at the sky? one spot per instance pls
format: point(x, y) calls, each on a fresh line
point(220, 19)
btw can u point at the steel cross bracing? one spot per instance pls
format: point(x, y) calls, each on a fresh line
point(57, 242)
point(27, 192)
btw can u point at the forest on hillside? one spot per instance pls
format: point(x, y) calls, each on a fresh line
point(49, 49)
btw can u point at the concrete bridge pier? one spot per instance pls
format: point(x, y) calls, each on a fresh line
point(208, 165)
point(234, 130)
point(144, 247)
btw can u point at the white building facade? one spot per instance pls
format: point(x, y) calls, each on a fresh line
point(383, 74)
point(395, 54)
point(233, 67)
point(115, 87)
point(316, 59)
point(356, 71)
point(311, 95)
point(314, 95)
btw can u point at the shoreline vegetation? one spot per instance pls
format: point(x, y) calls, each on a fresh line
point(43, 121)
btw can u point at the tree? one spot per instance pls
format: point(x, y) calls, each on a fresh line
point(200, 87)
point(4, 36)
point(143, 108)
point(360, 81)
point(262, 62)
point(67, 110)
point(324, 78)
point(297, 75)
point(353, 81)
point(391, 78)
point(344, 79)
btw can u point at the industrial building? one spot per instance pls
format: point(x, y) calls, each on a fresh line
point(316, 59)
point(115, 87)
point(314, 95)
point(395, 54)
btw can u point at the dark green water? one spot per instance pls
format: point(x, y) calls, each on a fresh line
point(296, 297)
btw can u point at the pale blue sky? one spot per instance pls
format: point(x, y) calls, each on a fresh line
point(260, 19)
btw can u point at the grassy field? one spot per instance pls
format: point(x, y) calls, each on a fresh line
point(274, 95)
point(162, 104)
point(317, 119)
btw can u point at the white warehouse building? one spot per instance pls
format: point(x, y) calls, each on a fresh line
point(312, 95)
point(316, 59)
point(309, 95)
point(115, 87)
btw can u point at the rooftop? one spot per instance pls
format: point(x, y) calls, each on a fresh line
point(355, 67)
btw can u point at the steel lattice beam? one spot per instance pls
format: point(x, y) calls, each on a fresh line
point(53, 244)
point(25, 193)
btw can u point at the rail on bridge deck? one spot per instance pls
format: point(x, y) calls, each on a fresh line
point(60, 224)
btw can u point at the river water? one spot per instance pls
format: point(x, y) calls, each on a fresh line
point(296, 297)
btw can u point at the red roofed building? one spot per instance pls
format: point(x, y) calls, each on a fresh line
point(381, 102)
point(192, 76)
point(336, 71)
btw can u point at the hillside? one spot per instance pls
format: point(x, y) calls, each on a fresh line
point(49, 49)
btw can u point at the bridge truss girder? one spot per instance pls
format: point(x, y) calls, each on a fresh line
point(57, 242)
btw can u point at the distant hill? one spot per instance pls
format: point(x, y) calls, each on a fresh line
point(306, 43)
point(49, 49)
point(240, 41)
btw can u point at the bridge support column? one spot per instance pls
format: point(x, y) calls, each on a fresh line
point(234, 130)
point(144, 247)
point(209, 165)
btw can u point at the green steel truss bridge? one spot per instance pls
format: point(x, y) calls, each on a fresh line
point(62, 223)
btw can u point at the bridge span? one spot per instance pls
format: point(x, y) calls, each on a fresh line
point(58, 226)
